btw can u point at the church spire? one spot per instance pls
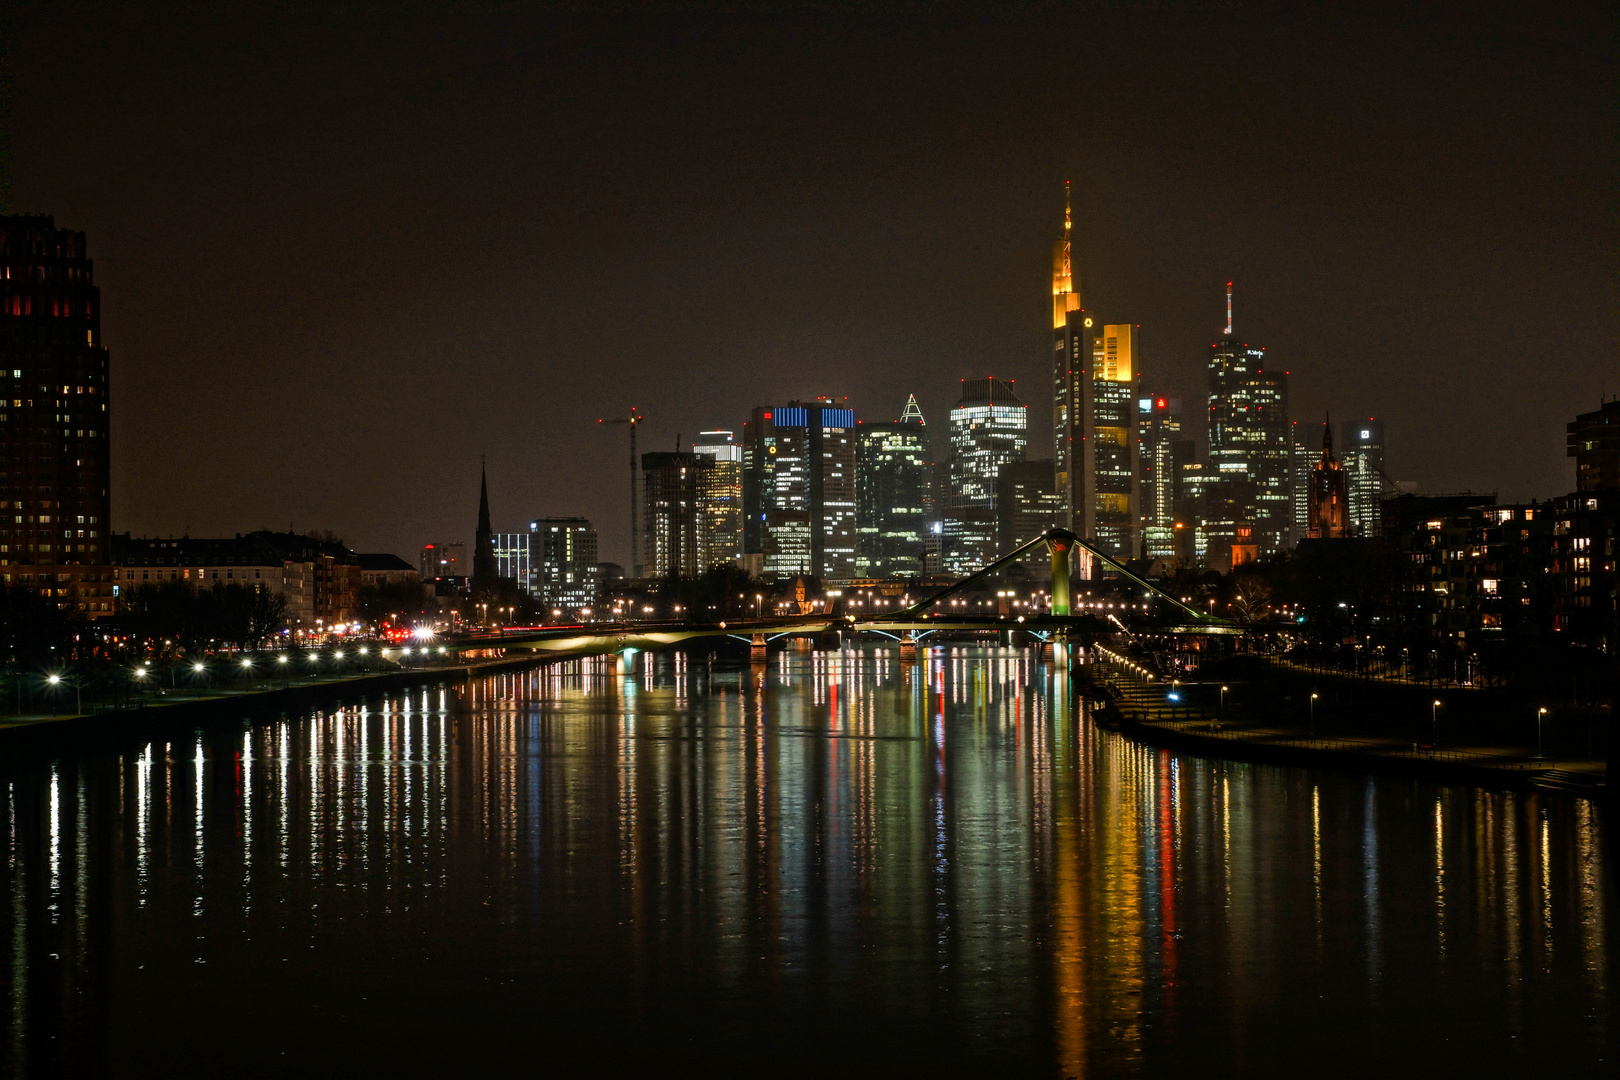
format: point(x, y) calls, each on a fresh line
point(484, 569)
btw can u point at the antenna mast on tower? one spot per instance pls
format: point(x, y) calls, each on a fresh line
point(1228, 309)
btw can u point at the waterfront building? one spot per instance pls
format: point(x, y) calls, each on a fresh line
point(1250, 438)
point(565, 571)
point(1158, 427)
point(1593, 440)
point(720, 501)
point(799, 499)
point(378, 570)
point(670, 523)
point(1027, 504)
point(893, 495)
point(1586, 539)
point(989, 427)
point(1329, 510)
point(54, 458)
point(1361, 453)
point(438, 561)
point(320, 579)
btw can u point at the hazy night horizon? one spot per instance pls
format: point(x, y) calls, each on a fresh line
point(412, 240)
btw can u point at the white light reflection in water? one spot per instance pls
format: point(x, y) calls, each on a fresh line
point(950, 843)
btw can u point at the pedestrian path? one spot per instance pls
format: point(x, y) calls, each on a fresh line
point(1146, 702)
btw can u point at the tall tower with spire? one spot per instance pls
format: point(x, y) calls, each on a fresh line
point(1071, 351)
point(484, 569)
point(1096, 455)
point(1329, 511)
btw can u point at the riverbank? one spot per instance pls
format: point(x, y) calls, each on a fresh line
point(1144, 709)
point(189, 711)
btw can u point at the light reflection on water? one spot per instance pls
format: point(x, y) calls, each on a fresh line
point(832, 859)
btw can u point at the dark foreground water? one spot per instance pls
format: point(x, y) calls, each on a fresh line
point(832, 863)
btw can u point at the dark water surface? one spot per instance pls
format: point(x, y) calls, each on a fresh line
point(830, 863)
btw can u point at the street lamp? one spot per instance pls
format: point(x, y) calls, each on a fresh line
point(1539, 714)
point(1434, 722)
point(1223, 702)
point(1313, 715)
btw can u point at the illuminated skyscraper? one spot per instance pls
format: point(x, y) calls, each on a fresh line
point(1071, 356)
point(1093, 412)
point(989, 427)
point(670, 495)
point(799, 489)
point(720, 509)
point(1250, 438)
point(54, 459)
point(563, 568)
point(1026, 505)
point(894, 480)
point(1361, 452)
point(1158, 425)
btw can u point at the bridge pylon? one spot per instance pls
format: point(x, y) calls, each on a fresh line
point(756, 649)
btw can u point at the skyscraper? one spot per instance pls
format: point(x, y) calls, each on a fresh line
point(799, 488)
point(1250, 439)
point(1093, 412)
point(1110, 516)
point(1026, 504)
point(1158, 425)
point(1361, 453)
point(989, 427)
point(564, 562)
point(1302, 458)
point(893, 495)
point(670, 497)
point(1071, 356)
point(54, 460)
point(720, 503)
point(1329, 498)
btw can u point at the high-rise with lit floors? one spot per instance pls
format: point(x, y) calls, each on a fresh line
point(720, 503)
point(1094, 461)
point(1071, 357)
point(1158, 427)
point(989, 427)
point(564, 563)
point(1361, 452)
point(1110, 514)
point(893, 495)
point(1251, 442)
point(799, 489)
point(54, 460)
point(670, 495)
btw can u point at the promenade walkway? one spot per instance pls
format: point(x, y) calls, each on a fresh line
point(1145, 706)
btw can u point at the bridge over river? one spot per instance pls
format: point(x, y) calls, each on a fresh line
point(907, 627)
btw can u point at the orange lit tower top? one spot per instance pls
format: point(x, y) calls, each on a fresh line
point(1065, 297)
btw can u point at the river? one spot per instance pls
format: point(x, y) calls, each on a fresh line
point(832, 861)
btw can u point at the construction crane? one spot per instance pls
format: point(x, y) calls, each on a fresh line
point(632, 421)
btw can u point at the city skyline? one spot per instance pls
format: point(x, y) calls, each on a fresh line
point(212, 214)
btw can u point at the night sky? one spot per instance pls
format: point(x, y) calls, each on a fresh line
point(342, 254)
